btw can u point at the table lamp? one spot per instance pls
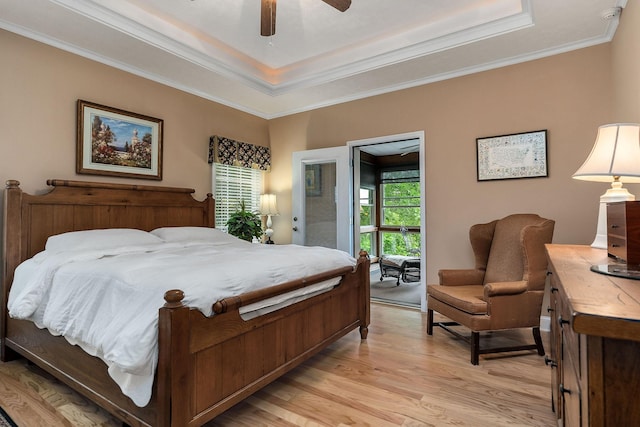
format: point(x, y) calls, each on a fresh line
point(615, 157)
point(269, 209)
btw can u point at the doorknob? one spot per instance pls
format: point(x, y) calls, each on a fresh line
point(295, 218)
point(295, 228)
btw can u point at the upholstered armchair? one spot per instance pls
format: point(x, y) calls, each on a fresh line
point(504, 290)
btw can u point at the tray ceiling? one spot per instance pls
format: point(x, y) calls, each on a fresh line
point(318, 56)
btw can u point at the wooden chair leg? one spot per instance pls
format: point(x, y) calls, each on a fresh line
point(429, 321)
point(475, 347)
point(538, 340)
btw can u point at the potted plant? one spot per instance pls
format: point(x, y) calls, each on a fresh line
point(244, 224)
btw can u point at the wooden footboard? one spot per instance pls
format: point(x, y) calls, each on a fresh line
point(205, 365)
point(222, 359)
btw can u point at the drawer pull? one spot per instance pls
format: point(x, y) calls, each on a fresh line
point(549, 309)
point(564, 390)
point(615, 226)
point(554, 289)
point(562, 321)
point(613, 245)
point(548, 362)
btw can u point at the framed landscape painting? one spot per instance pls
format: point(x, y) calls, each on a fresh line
point(115, 142)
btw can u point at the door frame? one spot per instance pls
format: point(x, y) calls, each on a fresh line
point(355, 199)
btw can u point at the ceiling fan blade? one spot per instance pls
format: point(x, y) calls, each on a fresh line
point(408, 150)
point(268, 18)
point(341, 5)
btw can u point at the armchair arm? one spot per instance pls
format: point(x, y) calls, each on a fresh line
point(460, 277)
point(504, 288)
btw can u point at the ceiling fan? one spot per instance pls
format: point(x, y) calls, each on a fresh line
point(268, 14)
point(410, 149)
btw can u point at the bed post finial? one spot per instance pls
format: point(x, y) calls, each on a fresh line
point(173, 298)
point(210, 210)
point(12, 183)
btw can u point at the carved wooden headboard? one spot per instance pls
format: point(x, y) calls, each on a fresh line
point(75, 205)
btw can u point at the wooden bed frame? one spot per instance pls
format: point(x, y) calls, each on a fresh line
point(205, 365)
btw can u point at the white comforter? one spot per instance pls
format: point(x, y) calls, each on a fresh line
point(107, 301)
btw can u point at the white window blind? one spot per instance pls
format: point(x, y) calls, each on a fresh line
point(232, 185)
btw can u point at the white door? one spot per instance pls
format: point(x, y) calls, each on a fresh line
point(321, 199)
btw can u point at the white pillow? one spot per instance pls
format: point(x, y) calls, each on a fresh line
point(100, 239)
point(194, 234)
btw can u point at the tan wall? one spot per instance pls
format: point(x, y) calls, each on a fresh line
point(39, 86)
point(626, 66)
point(568, 94)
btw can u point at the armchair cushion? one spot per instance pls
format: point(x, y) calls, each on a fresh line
point(467, 298)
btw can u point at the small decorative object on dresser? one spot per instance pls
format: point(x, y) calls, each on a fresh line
point(623, 240)
point(623, 231)
point(115, 142)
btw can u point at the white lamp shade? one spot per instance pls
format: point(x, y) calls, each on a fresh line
point(268, 204)
point(616, 153)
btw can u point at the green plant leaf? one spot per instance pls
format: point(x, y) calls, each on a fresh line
point(244, 224)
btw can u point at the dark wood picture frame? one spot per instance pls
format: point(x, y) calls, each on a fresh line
point(513, 156)
point(115, 142)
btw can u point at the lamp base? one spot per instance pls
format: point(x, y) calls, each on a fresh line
point(268, 232)
point(614, 194)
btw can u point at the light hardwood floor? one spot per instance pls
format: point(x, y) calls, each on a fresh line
point(397, 377)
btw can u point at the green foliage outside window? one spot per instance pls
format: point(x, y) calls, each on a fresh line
point(401, 208)
point(366, 243)
point(401, 204)
point(394, 243)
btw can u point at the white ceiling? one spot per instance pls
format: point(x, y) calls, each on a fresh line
point(318, 56)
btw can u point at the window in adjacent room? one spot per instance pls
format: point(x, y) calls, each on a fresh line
point(400, 211)
point(231, 186)
point(368, 221)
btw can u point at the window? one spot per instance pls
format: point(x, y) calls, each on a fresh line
point(367, 221)
point(400, 211)
point(367, 213)
point(231, 186)
point(401, 198)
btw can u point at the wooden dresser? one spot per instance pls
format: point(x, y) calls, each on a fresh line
point(595, 340)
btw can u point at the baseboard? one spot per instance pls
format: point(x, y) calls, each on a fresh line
point(545, 323)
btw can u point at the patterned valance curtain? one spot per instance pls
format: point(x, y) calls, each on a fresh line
point(231, 152)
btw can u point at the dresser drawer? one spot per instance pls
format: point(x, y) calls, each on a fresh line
point(616, 220)
point(570, 339)
point(571, 395)
point(617, 246)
